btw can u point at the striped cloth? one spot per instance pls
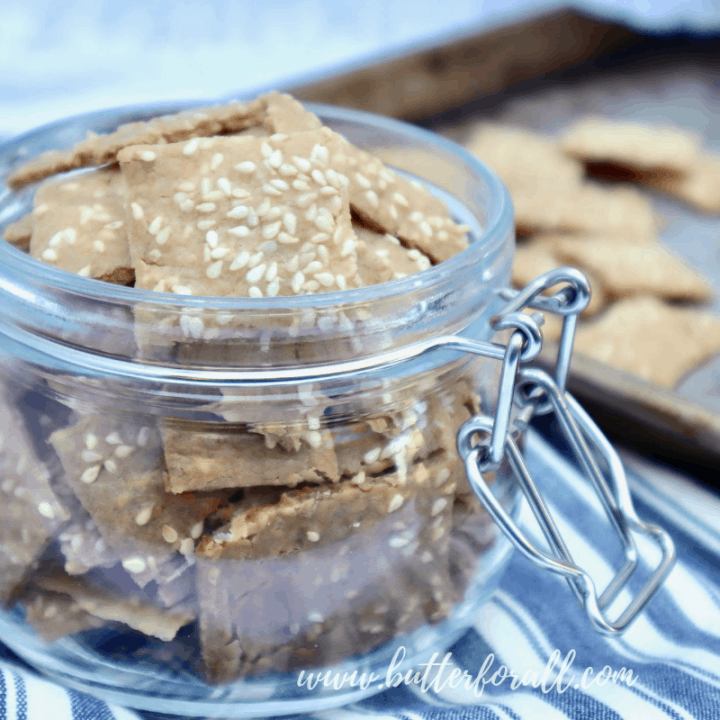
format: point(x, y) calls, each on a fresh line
point(666, 666)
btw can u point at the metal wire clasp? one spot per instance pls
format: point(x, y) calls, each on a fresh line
point(535, 391)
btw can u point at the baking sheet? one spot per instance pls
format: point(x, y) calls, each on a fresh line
point(683, 90)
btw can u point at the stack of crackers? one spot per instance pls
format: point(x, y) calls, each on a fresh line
point(646, 315)
point(285, 540)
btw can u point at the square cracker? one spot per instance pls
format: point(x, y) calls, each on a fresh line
point(79, 226)
point(116, 469)
point(102, 149)
point(639, 146)
point(644, 336)
point(255, 208)
point(628, 269)
point(30, 512)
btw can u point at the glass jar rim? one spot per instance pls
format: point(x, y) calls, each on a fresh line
point(500, 217)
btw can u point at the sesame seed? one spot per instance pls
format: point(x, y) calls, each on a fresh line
point(297, 282)
point(325, 279)
point(363, 181)
point(111, 466)
point(438, 506)
point(311, 285)
point(393, 212)
point(302, 164)
point(55, 240)
point(91, 456)
point(305, 200)
point(287, 169)
point(99, 246)
point(319, 238)
point(271, 273)
point(255, 292)
point(286, 239)
point(206, 224)
point(146, 155)
point(426, 228)
point(91, 441)
point(187, 546)
point(154, 255)
point(318, 177)
point(312, 536)
point(313, 267)
point(240, 261)
point(179, 290)
point(169, 533)
point(320, 154)
point(442, 236)
point(416, 216)
point(311, 213)
point(336, 204)
point(279, 184)
point(206, 207)
point(348, 247)
point(49, 254)
point(270, 231)
point(246, 168)
point(315, 616)
point(192, 326)
point(240, 193)
point(219, 253)
point(266, 149)
point(186, 186)
point(135, 565)
point(211, 238)
point(123, 451)
point(187, 205)
point(84, 272)
point(162, 237)
point(90, 475)
point(328, 190)
point(254, 275)
point(273, 288)
point(255, 259)
point(301, 186)
point(324, 224)
point(400, 199)
point(143, 517)
point(398, 542)
point(239, 231)
point(264, 208)
point(292, 264)
point(216, 161)
point(372, 198)
point(45, 509)
point(275, 159)
point(213, 271)
point(155, 225)
point(270, 190)
point(191, 146)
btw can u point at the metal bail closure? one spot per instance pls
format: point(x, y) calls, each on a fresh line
point(588, 445)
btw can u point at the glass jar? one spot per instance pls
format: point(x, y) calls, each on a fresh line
point(195, 516)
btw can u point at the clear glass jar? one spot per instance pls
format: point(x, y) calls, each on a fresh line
point(210, 529)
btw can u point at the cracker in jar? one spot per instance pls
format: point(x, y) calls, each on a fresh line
point(700, 186)
point(117, 471)
point(390, 203)
point(644, 336)
point(30, 512)
point(638, 146)
point(636, 269)
point(79, 226)
point(18, 233)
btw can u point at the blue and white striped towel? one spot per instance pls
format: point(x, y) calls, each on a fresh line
point(672, 651)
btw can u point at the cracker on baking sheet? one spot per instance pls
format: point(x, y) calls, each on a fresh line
point(638, 146)
point(117, 471)
point(235, 216)
point(645, 336)
point(79, 226)
point(588, 210)
point(626, 269)
point(18, 233)
point(538, 255)
point(390, 203)
point(103, 149)
point(700, 186)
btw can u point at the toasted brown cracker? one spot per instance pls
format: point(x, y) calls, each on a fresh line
point(644, 336)
point(54, 614)
point(382, 257)
point(636, 269)
point(79, 226)
point(116, 469)
point(19, 232)
point(132, 611)
point(206, 460)
point(257, 207)
point(30, 512)
point(700, 186)
point(538, 256)
point(103, 149)
point(639, 146)
point(390, 203)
